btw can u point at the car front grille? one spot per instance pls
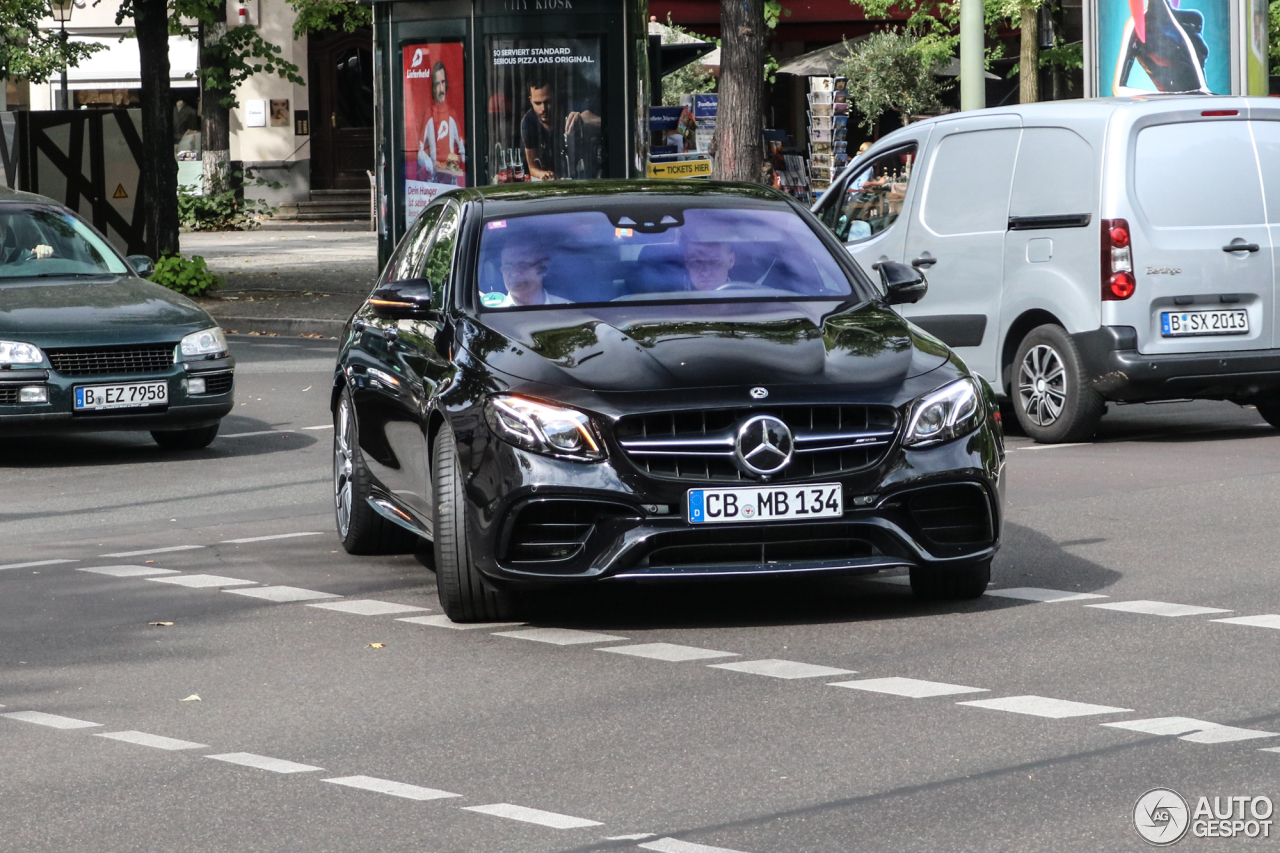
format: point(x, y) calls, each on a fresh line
point(100, 361)
point(958, 514)
point(698, 445)
point(763, 545)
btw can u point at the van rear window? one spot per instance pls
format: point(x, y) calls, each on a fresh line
point(1198, 174)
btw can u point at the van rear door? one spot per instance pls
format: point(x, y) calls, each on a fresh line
point(1201, 249)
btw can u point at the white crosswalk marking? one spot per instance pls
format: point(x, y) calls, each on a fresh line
point(912, 688)
point(51, 720)
point(446, 622)
point(155, 741)
point(368, 607)
point(263, 762)
point(395, 789)
point(144, 553)
point(36, 563)
point(898, 580)
point(782, 669)
point(1266, 620)
point(1195, 731)
point(128, 571)
point(268, 538)
point(202, 581)
point(558, 636)
point(1042, 706)
point(1045, 596)
point(283, 593)
point(1157, 608)
point(675, 845)
point(668, 652)
point(526, 815)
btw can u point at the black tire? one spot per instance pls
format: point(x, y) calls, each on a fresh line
point(1269, 408)
point(361, 530)
point(1051, 394)
point(952, 583)
point(465, 595)
point(186, 439)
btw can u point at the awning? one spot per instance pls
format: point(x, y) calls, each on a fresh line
point(826, 61)
point(673, 36)
point(118, 66)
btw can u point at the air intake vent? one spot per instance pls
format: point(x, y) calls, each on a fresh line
point(101, 361)
point(9, 395)
point(217, 383)
point(761, 546)
point(552, 531)
point(952, 515)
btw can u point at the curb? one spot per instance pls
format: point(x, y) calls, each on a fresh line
point(282, 325)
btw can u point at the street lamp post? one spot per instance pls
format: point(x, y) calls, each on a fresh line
point(61, 12)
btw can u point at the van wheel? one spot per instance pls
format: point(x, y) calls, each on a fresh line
point(1269, 408)
point(1051, 395)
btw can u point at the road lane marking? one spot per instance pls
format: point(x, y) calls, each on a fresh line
point(1042, 706)
point(395, 789)
point(446, 622)
point(675, 845)
point(912, 688)
point(526, 815)
point(368, 607)
point(559, 636)
point(322, 426)
point(1055, 446)
point(267, 538)
point(168, 550)
point(782, 668)
point(201, 581)
point(899, 580)
point(263, 762)
point(1266, 620)
point(36, 563)
point(52, 720)
point(639, 836)
point(156, 741)
point(1188, 729)
point(129, 571)
point(668, 652)
point(282, 593)
point(1157, 608)
point(259, 432)
point(1044, 596)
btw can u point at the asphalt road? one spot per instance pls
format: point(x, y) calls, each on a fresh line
point(627, 718)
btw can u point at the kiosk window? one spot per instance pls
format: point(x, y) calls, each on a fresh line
point(873, 197)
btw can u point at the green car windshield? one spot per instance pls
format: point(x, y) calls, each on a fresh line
point(45, 242)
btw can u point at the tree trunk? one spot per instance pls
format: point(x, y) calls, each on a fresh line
point(215, 135)
point(159, 168)
point(740, 117)
point(1029, 59)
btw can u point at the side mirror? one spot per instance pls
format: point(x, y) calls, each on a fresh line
point(407, 299)
point(142, 265)
point(902, 284)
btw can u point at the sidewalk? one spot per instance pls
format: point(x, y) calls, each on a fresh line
point(288, 282)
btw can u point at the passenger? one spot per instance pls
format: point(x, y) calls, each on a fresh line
point(708, 264)
point(524, 265)
point(11, 254)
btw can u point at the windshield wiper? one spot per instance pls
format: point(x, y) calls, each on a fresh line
point(71, 274)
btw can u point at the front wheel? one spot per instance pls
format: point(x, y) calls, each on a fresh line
point(186, 439)
point(361, 530)
point(952, 583)
point(1052, 397)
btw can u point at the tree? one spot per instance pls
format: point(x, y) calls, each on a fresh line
point(32, 53)
point(892, 70)
point(739, 147)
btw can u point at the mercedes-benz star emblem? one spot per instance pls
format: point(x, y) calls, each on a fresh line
point(759, 393)
point(764, 445)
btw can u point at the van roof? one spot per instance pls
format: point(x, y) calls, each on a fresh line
point(1105, 107)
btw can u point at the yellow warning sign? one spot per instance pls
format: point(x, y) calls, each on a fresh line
point(120, 193)
point(682, 169)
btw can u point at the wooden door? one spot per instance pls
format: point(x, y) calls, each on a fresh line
point(341, 82)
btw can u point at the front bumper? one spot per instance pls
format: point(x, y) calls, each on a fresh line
point(183, 410)
point(1119, 372)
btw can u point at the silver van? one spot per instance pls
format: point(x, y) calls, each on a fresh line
point(1085, 251)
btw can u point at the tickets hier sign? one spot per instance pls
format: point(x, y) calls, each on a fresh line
point(681, 169)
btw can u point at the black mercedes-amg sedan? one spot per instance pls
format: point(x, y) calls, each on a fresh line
point(640, 380)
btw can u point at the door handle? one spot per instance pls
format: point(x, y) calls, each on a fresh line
point(926, 261)
point(1239, 245)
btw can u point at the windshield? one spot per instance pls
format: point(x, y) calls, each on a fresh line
point(622, 254)
point(38, 241)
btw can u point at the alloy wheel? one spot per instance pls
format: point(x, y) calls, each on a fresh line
point(1042, 385)
point(343, 463)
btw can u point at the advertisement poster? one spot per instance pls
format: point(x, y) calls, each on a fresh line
point(435, 148)
point(1164, 46)
point(1256, 38)
point(544, 109)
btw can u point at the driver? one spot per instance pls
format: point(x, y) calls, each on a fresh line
point(709, 264)
point(11, 254)
point(524, 265)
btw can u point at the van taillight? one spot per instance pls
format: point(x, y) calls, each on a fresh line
point(1117, 261)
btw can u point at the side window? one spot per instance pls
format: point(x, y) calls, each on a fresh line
point(872, 198)
point(1055, 176)
point(414, 246)
point(1172, 193)
point(439, 261)
point(969, 180)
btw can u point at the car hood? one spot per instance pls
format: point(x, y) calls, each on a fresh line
point(684, 346)
point(70, 312)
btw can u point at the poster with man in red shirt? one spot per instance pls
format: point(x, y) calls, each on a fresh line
point(435, 157)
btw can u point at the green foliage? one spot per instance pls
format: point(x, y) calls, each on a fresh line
point(693, 78)
point(1273, 32)
point(934, 24)
point(191, 277)
point(892, 70)
point(228, 59)
point(774, 11)
point(320, 15)
point(30, 52)
point(222, 211)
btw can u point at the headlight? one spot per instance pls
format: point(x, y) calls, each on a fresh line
point(16, 352)
point(542, 428)
point(950, 412)
point(210, 342)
